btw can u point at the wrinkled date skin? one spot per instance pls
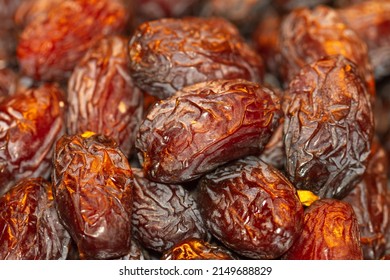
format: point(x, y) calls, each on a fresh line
point(102, 96)
point(27, 11)
point(169, 54)
point(308, 35)
point(92, 186)
point(371, 21)
point(8, 79)
point(30, 123)
point(29, 225)
point(330, 232)
point(197, 249)
point(204, 126)
point(50, 46)
point(369, 201)
point(164, 214)
point(251, 208)
point(328, 127)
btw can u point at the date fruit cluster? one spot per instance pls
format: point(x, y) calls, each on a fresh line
point(194, 130)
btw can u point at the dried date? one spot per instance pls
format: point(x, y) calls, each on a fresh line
point(328, 127)
point(92, 187)
point(308, 35)
point(369, 202)
point(251, 208)
point(164, 214)
point(204, 126)
point(330, 232)
point(51, 45)
point(29, 225)
point(371, 21)
point(30, 123)
point(102, 96)
point(169, 54)
point(197, 249)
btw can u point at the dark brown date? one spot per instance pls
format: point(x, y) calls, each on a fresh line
point(289, 5)
point(156, 9)
point(371, 21)
point(330, 232)
point(30, 123)
point(51, 45)
point(164, 214)
point(92, 186)
point(137, 252)
point(308, 35)
point(369, 201)
point(102, 96)
point(29, 225)
point(197, 249)
point(328, 127)
point(204, 126)
point(242, 13)
point(251, 208)
point(169, 54)
point(8, 79)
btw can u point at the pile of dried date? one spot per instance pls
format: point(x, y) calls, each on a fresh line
point(194, 129)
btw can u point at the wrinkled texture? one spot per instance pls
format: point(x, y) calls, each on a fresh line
point(330, 232)
point(28, 10)
point(169, 54)
point(176, 144)
point(92, 186)
point(164, 214)
point(29, 225)
point(197, 249)
point(369, 201)
point(8, 79)
point(137, 252)
point(251, 208)
point(308, 35)
point(102, 96)
point(30, 123)
point(371, 21)
point(67, 31)
point(328, 127)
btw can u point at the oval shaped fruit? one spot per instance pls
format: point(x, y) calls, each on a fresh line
point(204, 126)
point(251, 208)
point(92, 187)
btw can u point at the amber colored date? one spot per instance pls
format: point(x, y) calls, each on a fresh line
point(204, 126)
point(251, 208)
point(169, 54)
point(102, 96)
point(30, 123)
point(164, 214)
point(50, 46)
point(328, 127)
point(92, 187)
point(371, 21)
point(330, 232)
point(197, 249)
point(308, 35)
point(369, 202)
point(29, 225)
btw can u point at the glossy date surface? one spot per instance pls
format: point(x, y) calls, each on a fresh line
point(251, 208)
point(204, 126)
point(328, 127)
point(169, 54)
point(330, 232)
point(30, 123)
point(29, 224)
point(197, 249)
point(66, 31)
point(308, 35)
point(102, 96)
point(92, 187)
